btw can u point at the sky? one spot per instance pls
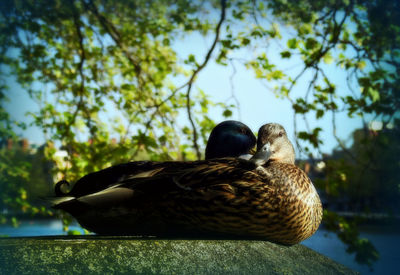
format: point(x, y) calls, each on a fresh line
point(258, 104)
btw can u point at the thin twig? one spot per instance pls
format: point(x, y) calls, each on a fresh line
point(233, 94)
point(198, 69)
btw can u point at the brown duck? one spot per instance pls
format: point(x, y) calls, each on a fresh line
point(265, 197)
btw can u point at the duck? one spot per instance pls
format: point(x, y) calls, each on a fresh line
point(229, 138)
point(265, 197)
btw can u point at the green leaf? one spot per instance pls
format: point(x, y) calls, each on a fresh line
point(74, 232)
point(328, 59)
point(361, 65)
point(166, 42)
point(227, 113)
point(311, 43)
point(373, 94)
point(275, 75)
point(285, 54)
point(245, 41)
point(319, 113)
point(292, 43)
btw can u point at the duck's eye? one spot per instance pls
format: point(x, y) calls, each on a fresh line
point(280, 134)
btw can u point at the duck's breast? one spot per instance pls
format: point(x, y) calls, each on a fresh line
point(299, 206)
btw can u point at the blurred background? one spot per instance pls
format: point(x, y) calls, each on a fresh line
point(86, 84)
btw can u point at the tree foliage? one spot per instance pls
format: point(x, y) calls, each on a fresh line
point(84, 60)
point(368, 174)
point(93, 57)
point(25, 176)
point(363, 179)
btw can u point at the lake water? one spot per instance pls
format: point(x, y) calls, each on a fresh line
point(387, 242)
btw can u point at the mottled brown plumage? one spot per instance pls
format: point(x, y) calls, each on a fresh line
point(217, 197)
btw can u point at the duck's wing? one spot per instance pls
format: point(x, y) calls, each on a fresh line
point(100, 180)
point(192, 175)
point(220, 177)
point(228, 139)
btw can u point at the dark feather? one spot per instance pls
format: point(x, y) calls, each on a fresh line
point(230, 139)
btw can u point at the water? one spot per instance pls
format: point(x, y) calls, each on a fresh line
point(387, 244)
point(29, 228)
point(326, 243)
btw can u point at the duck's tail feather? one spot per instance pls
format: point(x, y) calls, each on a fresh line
point(58, 188)
point(56, 202)
point(61, 196)
point(105, 198)
point(108, 197)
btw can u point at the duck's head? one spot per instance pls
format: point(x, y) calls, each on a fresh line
point(230, 139)
point(273, 144)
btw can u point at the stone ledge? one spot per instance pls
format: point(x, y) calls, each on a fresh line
point(128, 255)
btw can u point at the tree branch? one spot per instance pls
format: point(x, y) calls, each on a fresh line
point(80, 65)
point(116, 37)
point(199, 68)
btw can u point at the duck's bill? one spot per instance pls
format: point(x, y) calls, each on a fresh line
point(262, 155)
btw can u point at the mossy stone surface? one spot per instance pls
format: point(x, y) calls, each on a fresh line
point(127, 255)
